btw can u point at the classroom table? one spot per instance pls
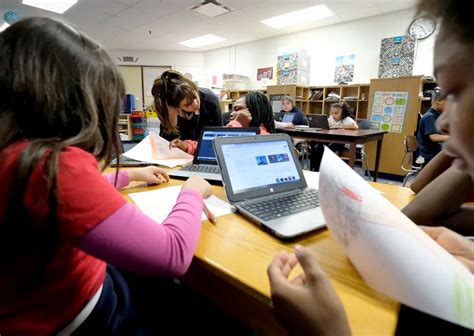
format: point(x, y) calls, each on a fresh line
point(342, 136)
point(231, 260)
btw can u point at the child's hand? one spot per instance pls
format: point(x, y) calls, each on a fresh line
point(242, 116)
point(150, 174)
point(307, 304)
point(179, 144)
point(199, 184)
point(458, 246)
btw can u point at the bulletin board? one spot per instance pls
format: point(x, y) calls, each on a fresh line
point(388, 111)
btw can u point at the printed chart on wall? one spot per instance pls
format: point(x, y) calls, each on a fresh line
point(388, 111)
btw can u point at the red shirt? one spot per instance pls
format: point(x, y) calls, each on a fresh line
point(72, 277)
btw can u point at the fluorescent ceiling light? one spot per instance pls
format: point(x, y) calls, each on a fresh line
point(4, 26)
point(57, 6)
point(300, 16)
point(202, 41)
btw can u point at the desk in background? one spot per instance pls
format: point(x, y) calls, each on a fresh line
point(342, 136)
point(231, 260)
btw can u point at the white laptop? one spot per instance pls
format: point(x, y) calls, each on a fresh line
point(205, 162)
point(264, 181)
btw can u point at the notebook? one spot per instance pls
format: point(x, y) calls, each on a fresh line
point(205, 162)
point(264, 181)
point(318, 121)
point(288, 117)
point(126, 161)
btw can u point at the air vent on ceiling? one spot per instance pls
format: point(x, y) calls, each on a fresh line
point(130, 59)
point(211, 8)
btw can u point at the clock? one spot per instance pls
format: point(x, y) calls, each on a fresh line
point(422, 27)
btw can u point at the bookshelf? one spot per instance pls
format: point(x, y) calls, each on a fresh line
point(356, 95)
point(125, 127)
point(300, 93)
point(234, 95)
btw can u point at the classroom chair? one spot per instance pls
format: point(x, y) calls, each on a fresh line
point(410, 145)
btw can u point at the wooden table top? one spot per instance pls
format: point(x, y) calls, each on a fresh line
point(240, 252)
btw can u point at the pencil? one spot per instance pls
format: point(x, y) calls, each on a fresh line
point(208, 213)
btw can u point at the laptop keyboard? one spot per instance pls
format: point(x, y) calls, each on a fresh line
point(202, 169)
point(124, 161)
point(285, 205)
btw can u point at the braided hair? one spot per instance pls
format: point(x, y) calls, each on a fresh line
point(261, 110)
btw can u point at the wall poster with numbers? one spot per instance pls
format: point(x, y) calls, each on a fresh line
point(388, 111)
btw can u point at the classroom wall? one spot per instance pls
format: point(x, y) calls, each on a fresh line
point(192, 62)
point(361, 37)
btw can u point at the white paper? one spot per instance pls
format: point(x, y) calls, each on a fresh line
point(155, 149)
point(157, 204)
point(312, 179)
point(390, 252)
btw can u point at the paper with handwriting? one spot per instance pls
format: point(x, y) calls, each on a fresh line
point(391, 253)
point(157, 204)
point(155, 149)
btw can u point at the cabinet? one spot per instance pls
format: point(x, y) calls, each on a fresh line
point(356, 95)
point(393, 149)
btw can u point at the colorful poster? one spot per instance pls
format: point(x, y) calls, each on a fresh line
point(397, 55)
point(344, 69)
point(263, 73)
point(388, 111)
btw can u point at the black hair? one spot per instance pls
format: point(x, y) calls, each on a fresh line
point(345, 109)
point(261, 110)
point(170, 89)
point(58, 88)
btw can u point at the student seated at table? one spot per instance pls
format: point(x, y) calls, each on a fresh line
point(340, 118)
point(288, 106)
point(253, 110)
point(62, 224)
point(428, 137)
point(308, 305)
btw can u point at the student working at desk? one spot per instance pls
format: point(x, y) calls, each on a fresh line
point(340, 118)
point(61, 221)
point(288, 106)
point(308, 305)
point(253, 110)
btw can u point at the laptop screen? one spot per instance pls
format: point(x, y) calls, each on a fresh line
point(206, 149)
point(257, 165)
point(288, 117)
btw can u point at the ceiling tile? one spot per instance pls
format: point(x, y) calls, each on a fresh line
point(161, 24)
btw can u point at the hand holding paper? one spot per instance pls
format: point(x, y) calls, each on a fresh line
point(392, 254)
